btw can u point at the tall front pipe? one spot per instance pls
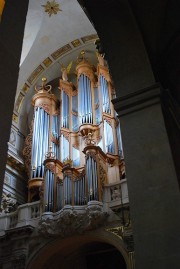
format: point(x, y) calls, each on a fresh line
point(44, 103)
point(86, 80)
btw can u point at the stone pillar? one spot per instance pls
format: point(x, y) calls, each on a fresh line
point(152, 181)
point(11, 37)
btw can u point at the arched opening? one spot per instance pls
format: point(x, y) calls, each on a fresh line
point(80, 252)
point(93, 255)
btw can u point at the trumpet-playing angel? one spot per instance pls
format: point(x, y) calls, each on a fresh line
point(65, 71)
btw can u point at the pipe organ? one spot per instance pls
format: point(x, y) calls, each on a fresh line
point(76, 142)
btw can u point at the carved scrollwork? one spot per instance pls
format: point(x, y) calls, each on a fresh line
point(70, 221)
point(66, 134)
point(102, 177)
point(89, 140)
point(51, 167)
point(91, 154)
point(109, 120)
point(28, 148)
point(8, 204)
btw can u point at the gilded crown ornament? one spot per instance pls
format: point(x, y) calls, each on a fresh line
point(43, 87)
point(50, 154)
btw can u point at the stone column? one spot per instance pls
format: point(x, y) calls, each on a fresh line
point(152, 181)
point(11, 37)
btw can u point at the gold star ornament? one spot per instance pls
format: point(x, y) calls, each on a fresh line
point(52, 7)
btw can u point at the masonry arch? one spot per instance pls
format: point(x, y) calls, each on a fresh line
point(100, 246)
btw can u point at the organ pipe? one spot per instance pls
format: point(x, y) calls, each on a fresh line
point(108, 136)
point(105, 94)
point(75, 145)
point(45, 106)
point(85, 100)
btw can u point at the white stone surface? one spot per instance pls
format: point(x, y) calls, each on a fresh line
point(44, 34)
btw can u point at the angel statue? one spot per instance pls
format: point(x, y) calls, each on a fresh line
point(8, 204)
point(65, 71)
point(100, 58)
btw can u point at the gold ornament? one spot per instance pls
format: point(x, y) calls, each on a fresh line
point(52, 7)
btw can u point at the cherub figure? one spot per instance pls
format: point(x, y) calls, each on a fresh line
point(8, 204)
point(89, 140)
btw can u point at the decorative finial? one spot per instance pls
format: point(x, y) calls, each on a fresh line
point(43, 87)
point(81, 56)
point(82, 53)
point(44, 79)
point(50, 154)
point(68, 162)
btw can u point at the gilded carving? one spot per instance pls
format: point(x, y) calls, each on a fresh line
point(35, 74)
point(15, 164)
point(69, 221)
point(118, 231)
point(88, 38)
point(43, 88)
point(66, 70)
point(61, 51)
point(54, 140)
point(101, 59)
point(47, 62)
point(19, 102)
point(27, 148)
point(107, 118)
point(51, 7)
point(66, 134)
point(102, 177)
point(15, 118)
point(68, 162)
point(89, 140)
point(76, 43)
point(25, 88)
point(51, 167)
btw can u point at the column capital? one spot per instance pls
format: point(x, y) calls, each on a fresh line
point(137, 100)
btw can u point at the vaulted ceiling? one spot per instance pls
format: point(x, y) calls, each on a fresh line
point(50, 41)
